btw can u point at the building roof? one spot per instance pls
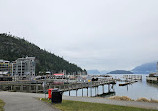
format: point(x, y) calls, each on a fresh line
point(58, 74)
point(48, 72)
point(27, 58)
point(4, 61)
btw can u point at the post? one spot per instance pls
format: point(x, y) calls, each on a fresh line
point(127, 87)
point(82, 89)
point(36, 88)
point(69, 92)
point(21, 88)
point(64, 88)
point(76, 92)
point(91, 91)
point(11, 87)
point(87, 91)
point(108, 87)
point(29, 88)
point(82, 92)
point(95, 91)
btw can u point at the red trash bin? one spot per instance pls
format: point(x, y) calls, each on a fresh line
point(50, 93)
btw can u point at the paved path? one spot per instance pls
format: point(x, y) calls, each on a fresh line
point(145, 105)
point(26, 102)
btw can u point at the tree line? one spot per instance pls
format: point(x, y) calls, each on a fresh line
point(12, 48)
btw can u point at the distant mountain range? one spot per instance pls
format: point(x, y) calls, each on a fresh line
point(142, 69)
point(145, 68)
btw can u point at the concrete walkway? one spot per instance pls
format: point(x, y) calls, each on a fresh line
point(26, 102)
point(145, 105)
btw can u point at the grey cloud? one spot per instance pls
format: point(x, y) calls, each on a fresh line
point(104, 34)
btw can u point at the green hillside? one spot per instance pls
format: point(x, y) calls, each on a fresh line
point(12, 48)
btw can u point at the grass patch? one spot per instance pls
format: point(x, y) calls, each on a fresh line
point(1, 105)
point(86, 106)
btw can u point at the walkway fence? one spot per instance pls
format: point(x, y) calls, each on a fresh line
point(40, 88)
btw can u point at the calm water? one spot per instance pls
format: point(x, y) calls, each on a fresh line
point(134, 91)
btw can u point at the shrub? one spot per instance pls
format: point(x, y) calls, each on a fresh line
point(124, 98)
point(143, 100)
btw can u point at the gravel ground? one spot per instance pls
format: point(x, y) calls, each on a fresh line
point(27, 102)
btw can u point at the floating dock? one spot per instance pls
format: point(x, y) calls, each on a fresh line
point(133, 77)
point(127, 83)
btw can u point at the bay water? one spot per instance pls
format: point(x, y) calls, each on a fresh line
point(134, 91)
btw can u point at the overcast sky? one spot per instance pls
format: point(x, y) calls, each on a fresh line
point(94, 34)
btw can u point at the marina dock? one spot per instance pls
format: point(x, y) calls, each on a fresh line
point(133, 77)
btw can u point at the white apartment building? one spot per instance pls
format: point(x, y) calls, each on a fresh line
point(24, 67)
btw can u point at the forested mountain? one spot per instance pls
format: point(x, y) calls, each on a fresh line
point(12, 47)
point(145, 68)
point(120, 72)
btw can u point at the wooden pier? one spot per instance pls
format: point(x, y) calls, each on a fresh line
point(40, 88)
